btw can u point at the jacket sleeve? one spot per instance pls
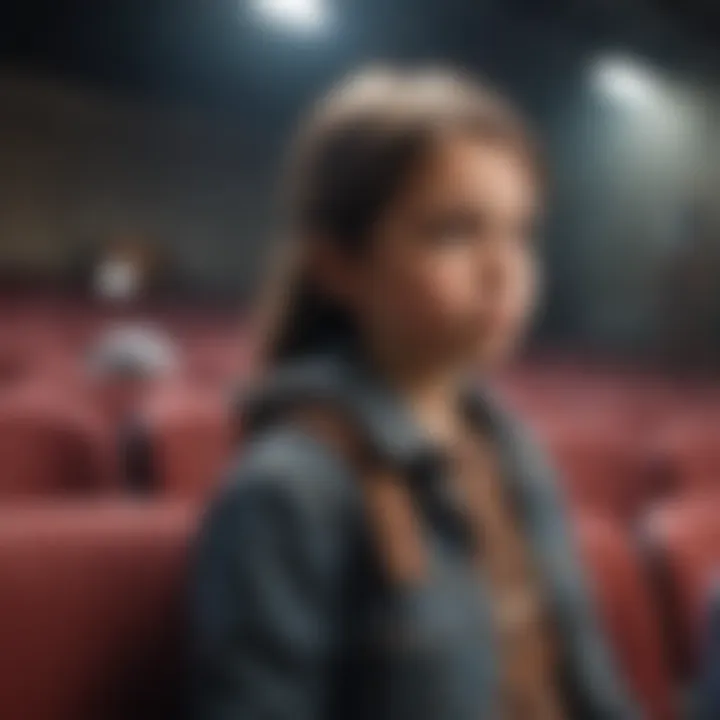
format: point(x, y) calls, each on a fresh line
point(596, 690)
point(267, 588)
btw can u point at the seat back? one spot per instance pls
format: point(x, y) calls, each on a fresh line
point(684, 546)
point(628, 613)
point(49, 445)
point(91, 609)
point(689, 453)
point(190, 439)
point(601, 472)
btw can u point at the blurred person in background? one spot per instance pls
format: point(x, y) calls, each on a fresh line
point(125, 271)
point(126, 364)
point(390, 544)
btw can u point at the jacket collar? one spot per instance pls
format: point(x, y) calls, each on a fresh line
point(340, 377)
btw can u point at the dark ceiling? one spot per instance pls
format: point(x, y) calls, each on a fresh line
point(212, 51)
point(700, 15)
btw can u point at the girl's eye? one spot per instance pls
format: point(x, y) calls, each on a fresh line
point(453, 229)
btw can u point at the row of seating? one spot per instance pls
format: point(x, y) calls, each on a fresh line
point(54, 443)
point(211, 352)
point(622, 473)
point(93, 614)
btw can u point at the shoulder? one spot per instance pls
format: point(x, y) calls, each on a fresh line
point(283, 451)
point(286, 474)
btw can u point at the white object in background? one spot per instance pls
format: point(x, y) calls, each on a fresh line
point(624, 80)
point(117, 280)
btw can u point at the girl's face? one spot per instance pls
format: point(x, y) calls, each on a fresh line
point(450, 274)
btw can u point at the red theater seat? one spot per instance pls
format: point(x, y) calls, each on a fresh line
point(602, 471)
point(13, 367)
point(50, 444)
point(625, 602)
point(190, 439)
point(91, 609)
point(684, 547)
point(690, 455)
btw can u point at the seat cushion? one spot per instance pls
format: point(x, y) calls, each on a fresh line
point(91, 610)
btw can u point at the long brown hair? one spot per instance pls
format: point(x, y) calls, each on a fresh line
point(352, 154)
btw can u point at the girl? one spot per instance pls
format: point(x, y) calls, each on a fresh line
point(389, 545)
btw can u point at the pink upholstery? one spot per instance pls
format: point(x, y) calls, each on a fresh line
point(190, 438)
point(91, 611)
point(684, 538)
point(50, 444)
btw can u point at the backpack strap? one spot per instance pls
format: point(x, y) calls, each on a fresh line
point(390, 505)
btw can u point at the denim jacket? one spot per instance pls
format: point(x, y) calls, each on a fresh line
point(293, 621)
